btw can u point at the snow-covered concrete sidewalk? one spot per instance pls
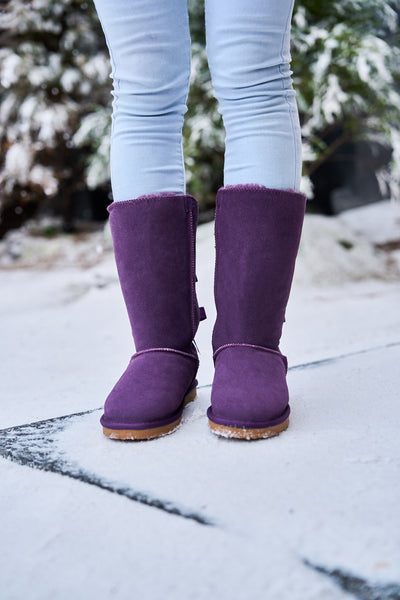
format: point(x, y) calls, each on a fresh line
point(311, 514)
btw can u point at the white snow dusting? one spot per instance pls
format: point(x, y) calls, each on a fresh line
point(314, 493)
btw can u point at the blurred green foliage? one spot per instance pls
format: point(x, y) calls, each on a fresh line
point(55, 105)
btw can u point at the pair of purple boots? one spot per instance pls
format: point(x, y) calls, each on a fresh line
point(257, 235)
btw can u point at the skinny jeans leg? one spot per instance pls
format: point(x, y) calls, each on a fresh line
point(149, 47)
point(248, 49)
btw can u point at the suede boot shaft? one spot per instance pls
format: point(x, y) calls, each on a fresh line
point(257, 236)
point(154, 246)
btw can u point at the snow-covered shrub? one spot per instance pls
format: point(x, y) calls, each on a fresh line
point(55, 81)
point(55, 103)
point(346, 63)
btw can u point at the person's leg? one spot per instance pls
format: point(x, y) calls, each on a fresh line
point(152, 221)
point(149, 46)
point(259, 214)
point(248, 48)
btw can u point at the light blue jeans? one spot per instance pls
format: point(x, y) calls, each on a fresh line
point(248, 50)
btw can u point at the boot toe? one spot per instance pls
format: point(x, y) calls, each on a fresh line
point(249, 388)
point(151, 391)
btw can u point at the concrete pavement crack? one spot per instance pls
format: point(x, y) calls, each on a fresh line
point(33, 445)
point(357, 586)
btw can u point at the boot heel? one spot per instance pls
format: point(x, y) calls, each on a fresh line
point(190, 396)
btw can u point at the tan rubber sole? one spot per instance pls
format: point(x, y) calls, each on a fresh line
point(247, 434)
point(147, 434)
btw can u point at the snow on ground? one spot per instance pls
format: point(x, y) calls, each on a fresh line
point(310, 514)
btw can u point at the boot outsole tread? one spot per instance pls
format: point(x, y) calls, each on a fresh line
point(243, 433)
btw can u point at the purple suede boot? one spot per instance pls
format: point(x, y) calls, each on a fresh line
point(154, 247)
point(257, 236)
